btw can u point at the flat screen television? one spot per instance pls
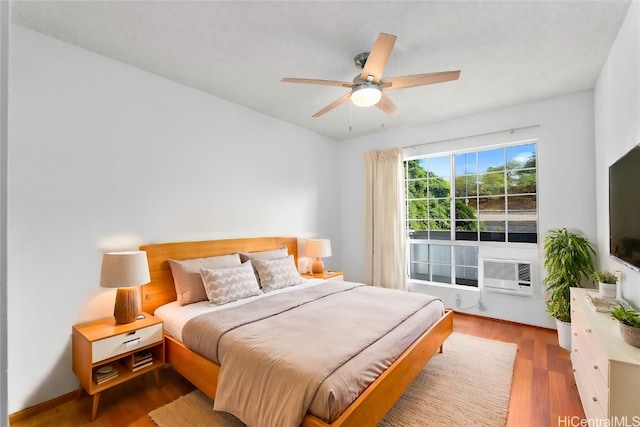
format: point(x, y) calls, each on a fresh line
point(624, 209)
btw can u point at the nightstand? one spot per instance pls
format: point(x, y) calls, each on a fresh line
point(327, 275)
point(106, 354)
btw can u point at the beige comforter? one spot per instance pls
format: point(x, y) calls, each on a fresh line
point(275, 352)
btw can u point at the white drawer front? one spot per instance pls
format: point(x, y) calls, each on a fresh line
point(339, 277)
point(590, 400)
point(601, 361)
point(118, 344)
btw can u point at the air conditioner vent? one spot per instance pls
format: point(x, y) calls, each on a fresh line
point(524, 272)
point(506, 276)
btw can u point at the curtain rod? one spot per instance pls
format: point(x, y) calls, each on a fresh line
point(511, 130)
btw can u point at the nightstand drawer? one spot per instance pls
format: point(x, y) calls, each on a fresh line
point(119, 344)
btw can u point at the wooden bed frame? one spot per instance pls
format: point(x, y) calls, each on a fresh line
point(367, 410)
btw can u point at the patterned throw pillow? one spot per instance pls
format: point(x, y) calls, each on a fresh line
point(277, 273)
point(187, 279)
point(224, 285)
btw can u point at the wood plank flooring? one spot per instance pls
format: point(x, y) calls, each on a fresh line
point(543, 391)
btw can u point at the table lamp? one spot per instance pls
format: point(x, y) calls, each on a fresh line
point(126, 271)
point(318, 249)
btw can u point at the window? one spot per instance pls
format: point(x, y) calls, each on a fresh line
point(456, 202)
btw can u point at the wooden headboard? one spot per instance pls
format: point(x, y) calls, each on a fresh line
point(161, 290)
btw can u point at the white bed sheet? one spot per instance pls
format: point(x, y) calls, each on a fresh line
point(176, 316)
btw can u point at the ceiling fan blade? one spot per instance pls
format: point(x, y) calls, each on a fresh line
point(386, 105)
point(420, 79)
point(378, 57)
point(318, 82)
point(333, 105)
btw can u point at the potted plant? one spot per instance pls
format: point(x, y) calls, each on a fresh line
point(568, 261)
point(629, 322)
point(607, 283)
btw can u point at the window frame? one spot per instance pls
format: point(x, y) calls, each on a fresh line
point(478, 243)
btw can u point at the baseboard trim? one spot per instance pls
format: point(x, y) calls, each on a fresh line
point(462, 313)
point(41, 407)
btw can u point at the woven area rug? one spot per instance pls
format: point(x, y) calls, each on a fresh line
point(467, 385)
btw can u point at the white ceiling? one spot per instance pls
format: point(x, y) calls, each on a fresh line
point(509, 51)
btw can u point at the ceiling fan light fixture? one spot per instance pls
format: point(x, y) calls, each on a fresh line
point(366, 95)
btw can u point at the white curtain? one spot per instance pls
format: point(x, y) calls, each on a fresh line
point(384, 220)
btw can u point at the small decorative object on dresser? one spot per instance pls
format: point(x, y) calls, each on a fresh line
point(629, 322)
point(607, 283)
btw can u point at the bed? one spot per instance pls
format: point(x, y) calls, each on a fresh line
point(366, 410)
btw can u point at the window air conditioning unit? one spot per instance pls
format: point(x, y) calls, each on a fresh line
point(506, 276)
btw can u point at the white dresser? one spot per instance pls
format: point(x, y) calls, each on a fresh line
point(607, 370)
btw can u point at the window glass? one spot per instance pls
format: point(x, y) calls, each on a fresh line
point(439, 188)
point(417, 169)
point(491, 160)
point(521, 156)
point(522, 181)
point(467, 276)
point(522, 205)
point(491, 183)
point(466, 255)
point(491, 206)
point(419, 271)
point(489, 196)
point(440, 209)
point(466, 186)
point(440, 167)
point(466, 164)
point(420, 253)
point(441, 273)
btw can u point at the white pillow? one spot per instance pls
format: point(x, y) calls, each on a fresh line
point(270, 254)
point(228, 284)
point(277, 273)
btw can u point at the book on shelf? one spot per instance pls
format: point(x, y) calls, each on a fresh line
point(143, 365)
point(104, 373)
point(142, 355)
point(139, 360)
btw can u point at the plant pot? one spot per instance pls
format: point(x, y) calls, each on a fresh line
point(564, 334)
point(630, 335)
point(607, 290)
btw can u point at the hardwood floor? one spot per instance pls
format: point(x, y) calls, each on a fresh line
point(543, 392)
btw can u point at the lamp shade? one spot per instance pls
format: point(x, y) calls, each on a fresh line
point(318, 248)
point(124, 269)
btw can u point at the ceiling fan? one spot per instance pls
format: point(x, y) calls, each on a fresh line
point(367, 88)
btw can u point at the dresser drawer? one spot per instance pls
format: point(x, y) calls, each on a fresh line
point(601, 361)
point(593, 407)
point(118, 344)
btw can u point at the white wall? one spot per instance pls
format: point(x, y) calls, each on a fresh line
point(617, 114)
point(565, 186)
point(104, 156)
point(4, 123)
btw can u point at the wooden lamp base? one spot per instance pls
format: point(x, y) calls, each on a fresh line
point(317, 267)
point(127, 305)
